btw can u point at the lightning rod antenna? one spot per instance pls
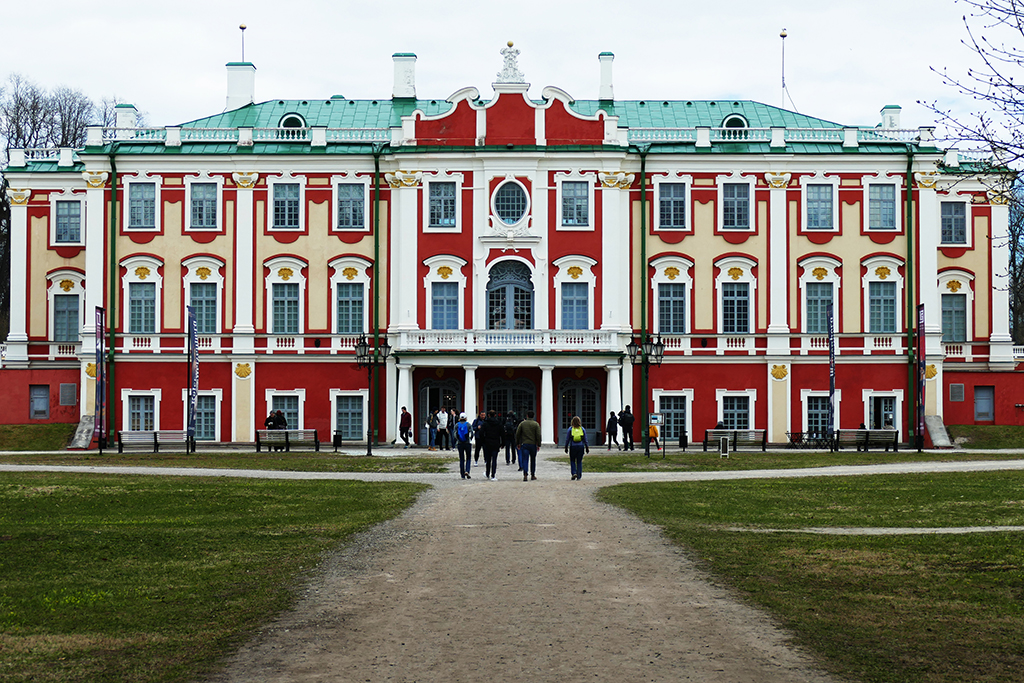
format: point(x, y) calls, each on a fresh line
point(783, 36)
point(242, 28)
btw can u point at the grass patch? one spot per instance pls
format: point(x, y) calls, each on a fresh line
point(292, 462)
point(879, 609)
point(38, 437)
point(140, 579)
point(987, 436)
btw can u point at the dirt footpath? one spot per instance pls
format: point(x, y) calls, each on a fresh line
point(518, 581)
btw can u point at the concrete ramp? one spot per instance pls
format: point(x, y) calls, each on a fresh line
point(937, 432)
point(83, 435)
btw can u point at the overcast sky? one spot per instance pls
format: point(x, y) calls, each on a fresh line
point(843, 60)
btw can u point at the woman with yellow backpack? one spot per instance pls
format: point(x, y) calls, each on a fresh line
point(576, 445)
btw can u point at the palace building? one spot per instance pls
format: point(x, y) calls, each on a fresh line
point(507, 247)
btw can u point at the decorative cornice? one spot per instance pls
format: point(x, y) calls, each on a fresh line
point(617, 179)
point(510, 72)
point(402, 178)
point(95, 179)
point(18, 197)
point(246, 179)
point(778, 181)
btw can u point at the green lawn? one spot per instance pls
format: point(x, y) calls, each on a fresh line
point(41, 437)
point(878, 609)
point(130, 579)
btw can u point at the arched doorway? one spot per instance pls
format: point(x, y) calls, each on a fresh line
point(580, 397)
point(510, 297)
point(437, 393)
point(503, 395)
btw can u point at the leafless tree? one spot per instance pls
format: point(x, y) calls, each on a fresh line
point(26, 118)
point(108, 116)
point(72, 112)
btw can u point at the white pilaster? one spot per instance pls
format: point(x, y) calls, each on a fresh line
point(547, 406)
point(928, 234)
point(403, 394)
point(17, 339)
point(778, 271)
point(614, 389)
point(1000, 341)
point(403, 285)
point(94, 251)
point(245, 295)
point(615, 250)
point(390, 399)
point(469, 391)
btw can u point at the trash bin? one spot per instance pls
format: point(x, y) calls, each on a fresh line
point(337, 440)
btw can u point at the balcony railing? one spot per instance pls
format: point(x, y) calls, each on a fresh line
point(509, 340)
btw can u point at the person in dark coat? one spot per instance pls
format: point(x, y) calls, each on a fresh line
point(478, 436)
point(626, 420)
point(404, 425)
point(493, 433)
point(613, 430)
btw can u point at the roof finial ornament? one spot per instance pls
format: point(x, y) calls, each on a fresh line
point(510, 73)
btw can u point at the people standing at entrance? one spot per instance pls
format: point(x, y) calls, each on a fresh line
point(626, 420)
point(432, 430)
point(443, 442)
point(493, 431)
point(478, 435)
point(404, 425)
point(463, 439)
point(453, 420)
point(509, 437)
point(528, 443)
point(576, 445)
point(652, 434)
point(613, 431)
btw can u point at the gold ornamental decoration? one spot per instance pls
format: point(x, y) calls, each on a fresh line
point(245, 180)
point(509, 372)
point(953, 285)
point(350, 273)
point(926, 179)
point(671, 272)
point(998, 198)
point(735, 273)
point(575, 272)
point(18, 197)
point(243, 370)
point(94, 179)
point(285, 274)
point(930, 372)
point(616, 179)
point(142, 272)
point(90, 370)
point(779, 371)
point(404, 178)
point(445, 272)
point(819, 273)
point(778, 181)
point(203, 273)
point(579, 373)
point(67, 285)
point(882, 272)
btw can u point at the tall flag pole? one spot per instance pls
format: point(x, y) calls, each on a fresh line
point(920, 377)
point(193, 372)
point(99, 433)
point(831, 371)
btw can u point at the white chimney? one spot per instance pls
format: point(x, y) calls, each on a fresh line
point(891, 117)
point(606, 92)
point(241, 84)
point(405, 75)
point(124, 117)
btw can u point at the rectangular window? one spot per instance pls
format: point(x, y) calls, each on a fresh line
point(204, 206)
point(203, 300)
point(819, 207)
point(350, 206)
point(286, 307)
point(817, 415)
point(575, 305)
point(69, 222)
point(350, 308)
point(444, 305)
point(819, 297)
point(954, 223)
point(349, 413)
point(882, 207)
point(984, 404)
point(141, 307)
point(736, 412)
point(142, 206)
point(39, 401)
point(575, 204)
point(672, 308)
point(954, 317)
point(442, 205)
point(68, 394)
point(206, 418)
point(672, 206)
point(735, 308)
point(288, 404)
point(286, 206)
point(882, 307)
point(735, 206)
point(673, 409)
point(65, 318)
point(141, 413)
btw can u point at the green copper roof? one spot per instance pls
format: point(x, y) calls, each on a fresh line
point(693, 113)
point(333, 113)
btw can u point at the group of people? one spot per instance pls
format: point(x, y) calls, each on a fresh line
point(490, 432)
point(623, 420)
point(276, 420)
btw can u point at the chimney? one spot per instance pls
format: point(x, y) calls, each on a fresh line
point(606, 92)
point(405, 75)
point(891, 117)
point(124, 118)
point(241, 85)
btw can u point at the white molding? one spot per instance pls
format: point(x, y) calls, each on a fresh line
point(286, 178)
point(819, 178)
point(735, 178)
point(746, 265)
point(806, 393)
point(656, 395)
point(675, 178)
point(527, 218)
point(142, 178)
point(442, 176)
point(871, 266)
point(350, 178)
point(898, 195)
point(333, 408)
point(831, 266)
point(132, 275)
point(275, 276)
point(968, 223)
point(587, 276)
point(434, 264)
point(218, 394)
point(868, 394)
point(269, 394)
point(575, 176)
point(752, 405)
point(77, 289)
point(203, 179)
point(67, 195)
point(685, 267)
point(157, 395)
point(339, 265)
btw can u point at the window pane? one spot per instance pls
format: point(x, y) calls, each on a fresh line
point(575, 305)
point(142, 307)
point(69, 222)
point(672, 205)
point(819, 296)
point(817, 415)
point(350, 308)
point(286, 205)
point(203, 300)
point(672, 308)
point(349, 411)
point(206, 418)
point(289, 407)
point(954, 317)
point(140, 413)
point(954, 223)
point(65, 318)
point(673, 410)
point(735, 206)
point(442, 205)
point(286, 308)
point(882, 207)
point(142, 205)
point(575, 209)
point(204, 205)
point(350, 206)
point(736, 412)
point(445, 305)
point(735, 308)
point(510, 203)
point(882, 307)
point(819, 207)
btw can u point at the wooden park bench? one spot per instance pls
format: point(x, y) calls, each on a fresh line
point(286, 438)
point(866, 439)
point(152, 441)
point(747, 438)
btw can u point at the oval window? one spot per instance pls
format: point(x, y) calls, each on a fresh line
point(510, 203)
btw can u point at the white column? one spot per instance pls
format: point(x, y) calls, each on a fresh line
point(403, 286)
point(404, 395)
point(614, 389)
point(390, 399)
point(469, 392)
point(778, 270)
point(94, 251)
point(1000, 341)
point(17, 339)
point(615, 251)
point(547, 406)
point(928, 233)
point(245, 295)
point(627, 385)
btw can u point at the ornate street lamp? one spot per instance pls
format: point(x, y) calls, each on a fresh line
point(650, 351)
point(370, 358)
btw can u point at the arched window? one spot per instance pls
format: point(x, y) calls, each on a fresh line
point(502, 395)
point(510, 297)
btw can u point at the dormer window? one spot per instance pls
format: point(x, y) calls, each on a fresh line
point(734, 121)
point(292, 121)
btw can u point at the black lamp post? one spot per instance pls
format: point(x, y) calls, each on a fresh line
point(650, 350)
point(370, 358)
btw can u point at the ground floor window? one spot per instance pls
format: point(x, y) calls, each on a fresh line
point(39, 401)
point(141, 413)
point(673, 412)
point(736, 412)
point(206, 418)
point(348, 411)
point(503, 396)
point(817, 415)
point(288, 404)
point(984, 404)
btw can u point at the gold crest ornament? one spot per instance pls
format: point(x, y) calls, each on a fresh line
point(243, 370)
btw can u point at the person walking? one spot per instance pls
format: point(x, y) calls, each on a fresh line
point(463, 439)
point(613, 430)
point(576, 445)
point(405, 425)
point(528, 443)
point(442, 430)
point(453, 420)
point(478, 436)
point(626, 420)
point(652, 434)
point(509, 437)
point(432, 430)
point(493, 431)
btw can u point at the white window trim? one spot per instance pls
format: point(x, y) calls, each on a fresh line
point(752, 405)
point(287, 179)
point(204, 179)
point(333, 407)
point(276, 276)
point(434, 265)
point(661, 276)
point(831, 276)
point(746, 265)
point(269, 395)
point(523, 222)
point(736, 179)
point(966, 288)
point(868, 394)
point(575, 176)
point(339, 266)
point(67, 196)
point(350, 179)
point(673, 179)
point(155, 181)
point(442, 177)
point(126, 416)
point(898, 223)
point(819, 179)
point(968, 224)
point(218, 394)
point(133, 274)
point(563, 276)
point(214, 277)
point(656, 394)
point(872, 265)
point(806, 393)
point(57, 278)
